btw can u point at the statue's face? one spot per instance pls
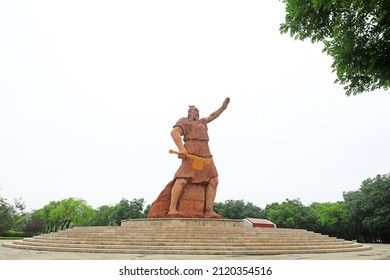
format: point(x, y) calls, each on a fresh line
point(193, 114)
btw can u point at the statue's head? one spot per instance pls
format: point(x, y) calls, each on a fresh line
point(193, 113)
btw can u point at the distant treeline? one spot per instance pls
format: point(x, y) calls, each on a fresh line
point(363, 215)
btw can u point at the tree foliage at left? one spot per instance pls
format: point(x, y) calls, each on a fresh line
point(63, 214)
point(7, 214)
point(60, 215)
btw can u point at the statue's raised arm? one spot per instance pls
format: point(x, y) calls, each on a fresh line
point(216, 114)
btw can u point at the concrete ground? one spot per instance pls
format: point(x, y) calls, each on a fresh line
point(378, 252)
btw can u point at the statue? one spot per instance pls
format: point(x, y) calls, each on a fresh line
point(197, 175)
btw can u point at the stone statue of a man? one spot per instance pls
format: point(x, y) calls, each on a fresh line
point(191, 137)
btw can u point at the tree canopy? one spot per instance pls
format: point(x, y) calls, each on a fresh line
point(356, 33)
point(7, 213)
point(126, 209)
point(369, 208)
point(238, 209)
point(62, 214)
point(288, 214)
point(332, 219)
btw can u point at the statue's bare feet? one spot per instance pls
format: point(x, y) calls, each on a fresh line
point(212, 214)
point(173, 212)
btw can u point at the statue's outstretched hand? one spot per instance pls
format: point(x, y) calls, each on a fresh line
point(226, 102)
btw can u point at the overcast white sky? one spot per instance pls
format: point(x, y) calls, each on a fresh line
point(89, 92)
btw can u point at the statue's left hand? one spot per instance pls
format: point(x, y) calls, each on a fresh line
point(226, 102)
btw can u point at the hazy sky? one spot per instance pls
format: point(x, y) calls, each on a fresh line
point(90, 90)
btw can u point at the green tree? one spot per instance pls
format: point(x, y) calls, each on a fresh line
point(332, 219)
point(60, 215)
point(20, 215)
point(44, 214)
point(356, 33)
point(353, 201)
point(126, 209)
point(289, 214)
point(72, 211)
point(146, 211)
point(33, 225)
point(105, 216)
point(238, 209)
point(20, 206)
point(232, 209)
point(7, 216)
point(369, 208)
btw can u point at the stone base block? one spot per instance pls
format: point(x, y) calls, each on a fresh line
point(253, 222)
point(182, 223)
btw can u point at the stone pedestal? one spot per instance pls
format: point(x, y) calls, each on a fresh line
point(188, 223)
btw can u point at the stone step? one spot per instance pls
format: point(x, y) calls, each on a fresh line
point(187, 240)
point(175, 247)
point(191, 251)
point(181, 234)
point(186, 236)
point(195, 232)
point(181, 229)
point(165, 242)
point(173, 237)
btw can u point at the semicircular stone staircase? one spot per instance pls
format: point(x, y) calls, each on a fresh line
point(187, 237)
